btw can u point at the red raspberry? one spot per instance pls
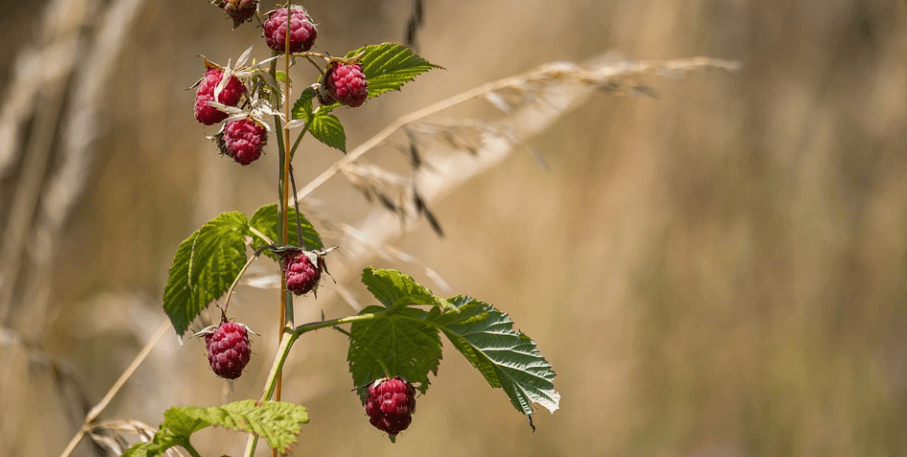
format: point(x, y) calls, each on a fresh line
point(240, 10)
point(301, 273)
point(228, 349)
point(302, 30)
point(346, 84)
point(391, 404)
point(229, 96)
point(244, 140)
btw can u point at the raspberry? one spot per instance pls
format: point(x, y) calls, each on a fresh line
point(243, 140)
point(391, 404)
point(240, 10)
point(229, 96)
point(323, 95)
point(301, 273)
point(228, 349)
point(302, 30)
point(346, 84)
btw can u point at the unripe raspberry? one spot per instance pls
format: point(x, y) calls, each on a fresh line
point(302, 30)
point(346, 84)
point(228, 349)
point(240, 10)
point(301, 272)
point(391, 404)
point(243, 140)
point(230, 96)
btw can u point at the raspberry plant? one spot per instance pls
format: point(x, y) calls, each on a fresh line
point(393, 346)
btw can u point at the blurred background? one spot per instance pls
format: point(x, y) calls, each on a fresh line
point(714, 271)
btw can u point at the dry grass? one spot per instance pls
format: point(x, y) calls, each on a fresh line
point(715, 271)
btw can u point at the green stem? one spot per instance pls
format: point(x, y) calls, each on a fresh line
point(296, 204)
point(299, 140)
point(289, 337)
point(188, 446)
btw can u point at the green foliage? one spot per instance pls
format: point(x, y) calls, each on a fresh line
point(265, 221)
point(325, 127)
point(208, 262)
point(302, 109)
point(395, 289)
point(406, 340)
point(277, 422)
point(204, 266)
point(400, 339)
point(388, 66)
point(506, 358)
point(180, 303)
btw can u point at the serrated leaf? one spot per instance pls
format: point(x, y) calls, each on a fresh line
point(302, 109)
point(388, 66)
point(265, 221)
point(506, 358)
point(203, 268)
point(277, 422)
point(327, 129)
point(180, 303)
point(401, 339)
point(395, 289)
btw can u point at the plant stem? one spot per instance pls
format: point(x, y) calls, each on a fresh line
point(284, 202)
point(188, 446)
point(289, 337)
point(236, 281)
point(296, 204)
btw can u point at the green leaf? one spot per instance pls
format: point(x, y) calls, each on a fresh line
point(302, 109)
point(179, 302)
point(203, 268)
point(388, 66)
point(401, 339)
point(277, 422)
point(265, 221)
point(395, 289)
point(327, 129)
point(505, 357)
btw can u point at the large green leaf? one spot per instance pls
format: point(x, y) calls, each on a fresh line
point(406, 341)
point(327, 129)
point(179, 302)
point(265, 221)
point(395, 289)
point(203, 268)
point(277, 422)
point(401, 339)
point(506, 358)
point(388, 66)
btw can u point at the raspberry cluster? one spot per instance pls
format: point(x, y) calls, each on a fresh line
point(229, 349)
point(302, 30)
point(390, 405)
point(344, 83)
point(230, 96)
point(243, 140)
point(301, 271)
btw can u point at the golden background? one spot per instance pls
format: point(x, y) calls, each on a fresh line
point(715, 271)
